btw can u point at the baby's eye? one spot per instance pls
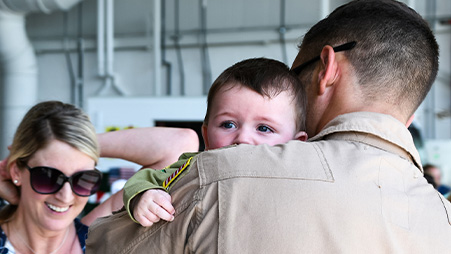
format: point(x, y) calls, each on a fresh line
point(264, 128)
point(228, 125)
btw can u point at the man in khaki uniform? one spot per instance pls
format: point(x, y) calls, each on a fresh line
point(356, 187)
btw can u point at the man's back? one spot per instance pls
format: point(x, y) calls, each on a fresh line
point(352, 190)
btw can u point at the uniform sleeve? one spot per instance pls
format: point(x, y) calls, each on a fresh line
point(146, 179)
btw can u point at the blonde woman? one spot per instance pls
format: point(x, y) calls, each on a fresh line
point(52, 164)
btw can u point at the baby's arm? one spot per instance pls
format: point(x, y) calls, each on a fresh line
point(139, 202)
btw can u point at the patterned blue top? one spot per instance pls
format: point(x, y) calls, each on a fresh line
point(82, 231)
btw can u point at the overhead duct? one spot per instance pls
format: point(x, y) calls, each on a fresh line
point(18, 64)
point(105, 47)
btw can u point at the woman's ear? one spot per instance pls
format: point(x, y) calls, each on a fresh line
point(328, 72)
point(16, 176)
point(205, 135)
point(301, 136)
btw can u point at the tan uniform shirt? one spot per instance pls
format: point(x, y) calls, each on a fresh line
point(356, 188)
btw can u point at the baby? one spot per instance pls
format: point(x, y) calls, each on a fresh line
point(256, 101)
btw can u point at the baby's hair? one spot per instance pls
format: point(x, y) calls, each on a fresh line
point(266, 77)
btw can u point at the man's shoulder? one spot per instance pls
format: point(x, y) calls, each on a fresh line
point(294, 159)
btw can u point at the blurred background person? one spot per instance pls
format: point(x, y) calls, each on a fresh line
point(436, 174)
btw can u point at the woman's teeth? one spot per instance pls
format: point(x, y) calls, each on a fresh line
point(58, 209)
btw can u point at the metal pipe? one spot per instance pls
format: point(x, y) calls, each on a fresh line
point(164, 62)
point(282, 31)
point(178, 49)
point(43, 6)
point(325, 8)
point(123, 43)
point(80, 53)
point(109, 42)
point(411, 3)
point(205, 59)
point(101, 37)
point(106, 47)
point(105, 41)
point(70, 67)
point(430, 99)
point(157, 46)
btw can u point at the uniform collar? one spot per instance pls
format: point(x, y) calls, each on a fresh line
point(384, 131)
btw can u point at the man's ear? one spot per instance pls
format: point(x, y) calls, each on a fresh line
point(205, 135)
point(301, 136)
point(328, 72)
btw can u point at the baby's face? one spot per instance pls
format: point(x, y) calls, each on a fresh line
point(242, 116)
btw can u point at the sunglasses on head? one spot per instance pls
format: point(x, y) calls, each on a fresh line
point(47, 180)
point(343, 47)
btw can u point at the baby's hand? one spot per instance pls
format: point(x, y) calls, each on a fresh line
point(154, 204)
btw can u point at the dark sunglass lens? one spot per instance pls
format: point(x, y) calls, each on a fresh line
point(46, 180)
point(86, 183)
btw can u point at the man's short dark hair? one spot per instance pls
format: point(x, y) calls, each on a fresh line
point(396, 56)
